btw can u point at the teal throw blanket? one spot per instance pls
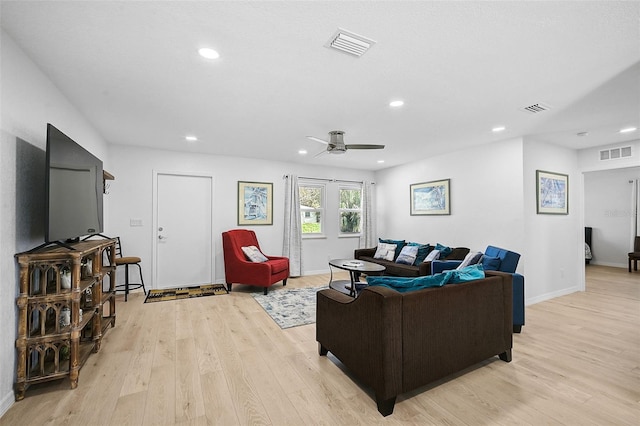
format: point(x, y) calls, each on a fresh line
point(403, 284)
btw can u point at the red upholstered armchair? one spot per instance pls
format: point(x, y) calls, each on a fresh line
point(238, 269)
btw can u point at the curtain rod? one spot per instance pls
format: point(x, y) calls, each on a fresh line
point(328, 180)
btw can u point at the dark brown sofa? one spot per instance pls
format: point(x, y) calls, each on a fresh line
point(396, 342)
point(400, 270)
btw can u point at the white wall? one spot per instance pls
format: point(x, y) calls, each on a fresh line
point(486, 199)
point(130, 197)
point(493, 202)
point(553, 243)
point(609, 211)
point(29, 100)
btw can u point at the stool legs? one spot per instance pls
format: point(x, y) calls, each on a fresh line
point(126, 281)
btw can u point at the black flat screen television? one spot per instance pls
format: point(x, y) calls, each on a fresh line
point(74, 186)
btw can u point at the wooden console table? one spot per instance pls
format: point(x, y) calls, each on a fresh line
point(63, 310)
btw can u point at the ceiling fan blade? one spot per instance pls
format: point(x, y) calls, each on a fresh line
point(324, 151)
point(364, 146)
point(313, 138)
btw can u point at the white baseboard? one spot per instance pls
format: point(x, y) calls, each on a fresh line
point(552, 295)
point(6, 403)
point(613, 265)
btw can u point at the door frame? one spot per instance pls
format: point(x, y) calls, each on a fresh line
point(154, 230)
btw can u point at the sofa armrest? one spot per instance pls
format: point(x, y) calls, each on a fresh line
point(438, 266)
point(518, 302)
point(365, 334)
point(364, 252)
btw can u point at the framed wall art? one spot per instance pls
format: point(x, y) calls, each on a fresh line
point(431, 198)
point(552, 193)
point(255, 203)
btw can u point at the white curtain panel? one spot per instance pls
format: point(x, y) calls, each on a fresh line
point(368, 234)
point(292, 245)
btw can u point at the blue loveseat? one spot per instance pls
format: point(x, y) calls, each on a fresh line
point(496, 259)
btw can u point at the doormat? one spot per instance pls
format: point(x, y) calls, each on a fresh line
point(290, 307)
point(185, 292)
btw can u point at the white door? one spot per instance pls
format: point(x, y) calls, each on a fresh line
point(183, 230)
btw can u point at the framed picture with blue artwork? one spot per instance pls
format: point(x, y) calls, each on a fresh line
point(431, 198)
point(255, 203)
point(552, 193)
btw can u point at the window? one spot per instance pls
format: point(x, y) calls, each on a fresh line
point(350, 210)
point(312, 208)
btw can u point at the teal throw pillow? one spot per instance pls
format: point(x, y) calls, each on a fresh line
point(423, 251)
point(444, 250)
point(399, 244)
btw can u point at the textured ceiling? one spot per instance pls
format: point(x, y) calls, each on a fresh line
point(133, 70)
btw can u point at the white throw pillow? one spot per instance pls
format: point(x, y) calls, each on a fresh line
point(433, 255)
point(253, 254)
point(408, 255)
point(471, 258)
point(385, 251)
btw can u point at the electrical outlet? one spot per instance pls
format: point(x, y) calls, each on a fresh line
point(135, 222)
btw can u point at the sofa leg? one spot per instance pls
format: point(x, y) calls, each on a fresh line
point(506, 356)
point(229, 287)
point(284, 282)
point(322, 350)
point(265, 290)
point(385, 407)
point(517, 328)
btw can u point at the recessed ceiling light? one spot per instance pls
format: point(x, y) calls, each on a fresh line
point(191, 138)
point(380, 161)
point(498, 129)
point(208, 53)
point(628, 130)
point(583, 134)
point(302, 152)
point(396, 104)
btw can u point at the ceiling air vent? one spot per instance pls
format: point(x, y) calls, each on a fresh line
point(350, 43)
point(536, 108)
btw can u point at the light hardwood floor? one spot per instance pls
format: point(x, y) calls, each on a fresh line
point(221, 360)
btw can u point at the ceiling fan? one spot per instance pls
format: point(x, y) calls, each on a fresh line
point(336, 143)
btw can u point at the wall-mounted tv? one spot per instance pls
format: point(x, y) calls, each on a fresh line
point(74, 189)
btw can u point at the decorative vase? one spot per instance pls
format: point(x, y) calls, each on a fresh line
point(65, 317)
point(65, 279)
point(88, 268)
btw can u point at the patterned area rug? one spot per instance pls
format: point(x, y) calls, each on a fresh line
point(185, 292)
point(290, 307)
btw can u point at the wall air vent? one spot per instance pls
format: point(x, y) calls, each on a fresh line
point(351, 43)
point(536, 108)
point(615, 153)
